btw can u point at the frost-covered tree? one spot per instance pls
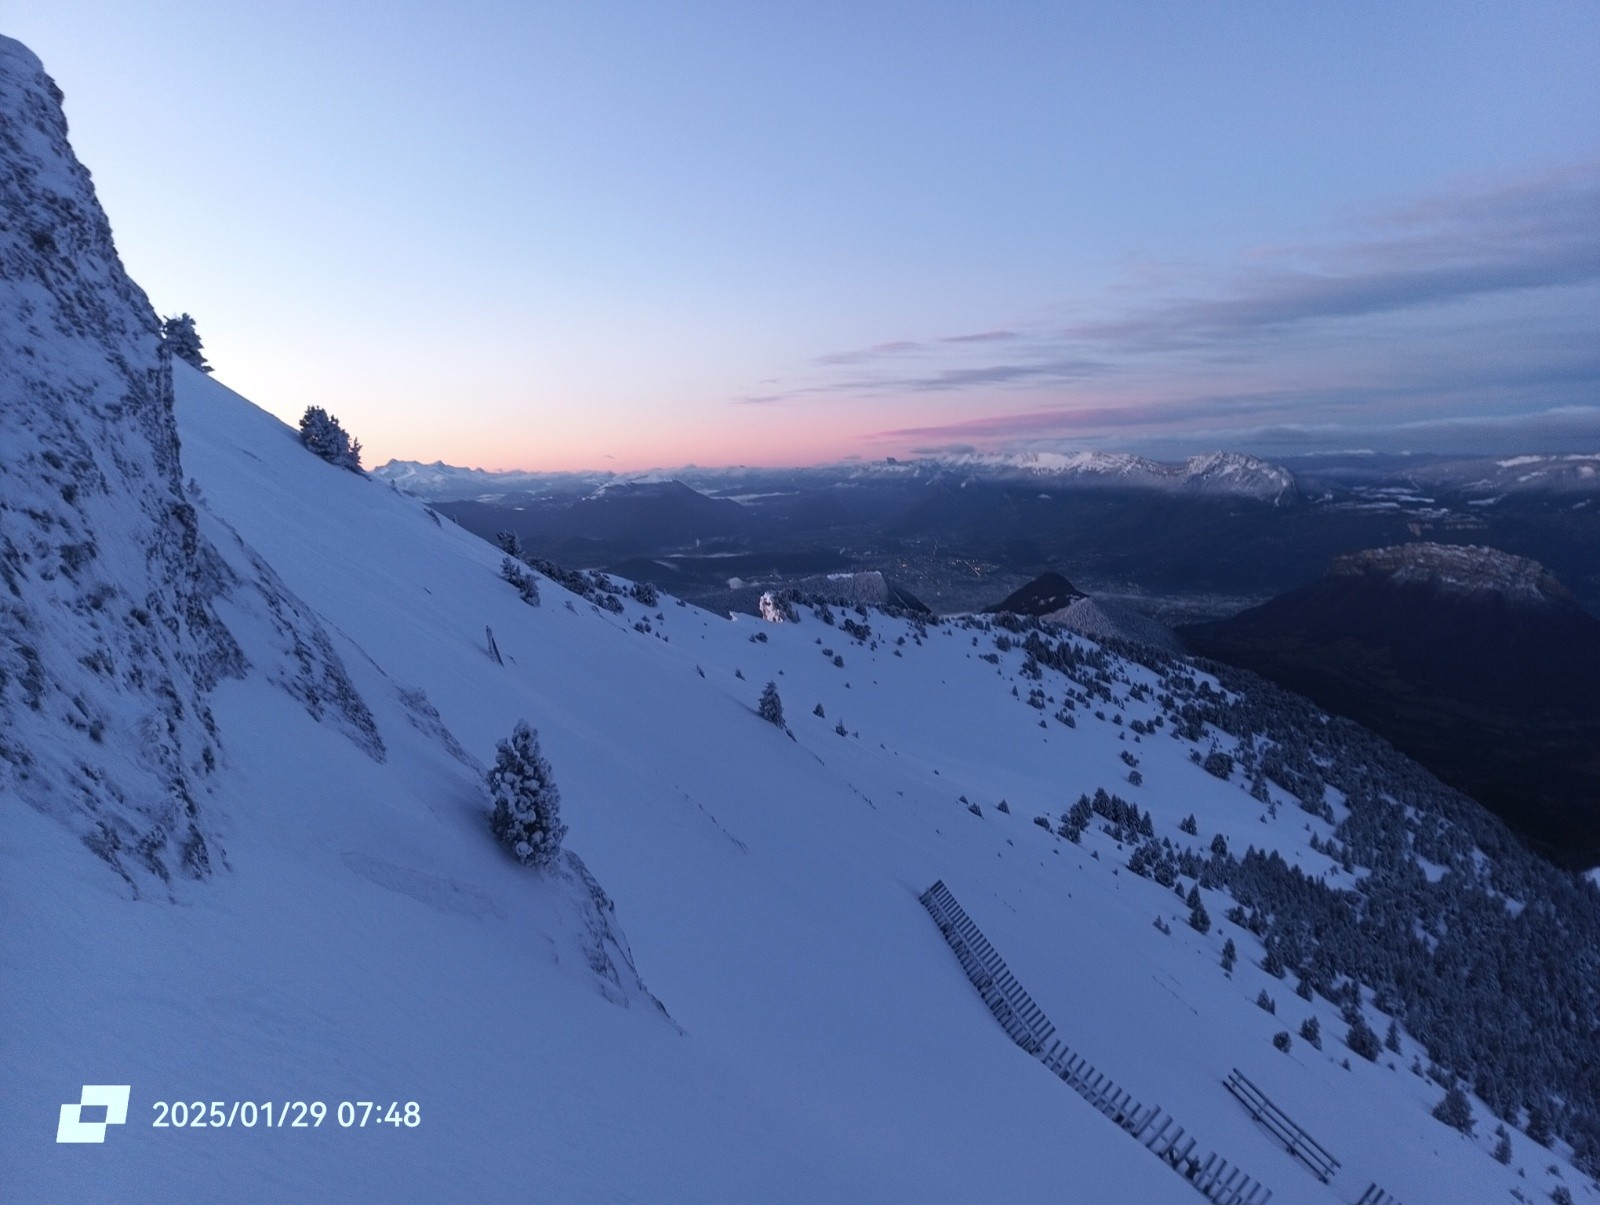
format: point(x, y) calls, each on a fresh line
point(1362, 1039)
point(527, 805)
point(1455, 1110)
point(1502, 1145)
point(322, 434)
point(1266, 1003)
point(1230, 954)
point(509, 543)
point(526, 584)
point(771, 706)
point(183, 341)
point(1538, 1127)
point(1311, 1033)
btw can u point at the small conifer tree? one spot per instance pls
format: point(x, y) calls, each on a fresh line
point(1538, 1127)
point(771, 706)
point(1311, 1033)
point(527, 586)
point(527, 805)
point(1230, 954)
point(1362, 1039)
point(1455, 1110)
point(322, 434)
point(183, 341)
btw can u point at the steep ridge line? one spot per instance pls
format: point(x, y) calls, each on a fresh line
point(1029, 1028)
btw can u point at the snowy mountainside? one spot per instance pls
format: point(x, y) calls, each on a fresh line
point(1566, 473)
point(734, 995)
point(108, 640)
point(767, 886)
point(1101, 619)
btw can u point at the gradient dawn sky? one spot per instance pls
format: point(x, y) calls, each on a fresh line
point(598, 235)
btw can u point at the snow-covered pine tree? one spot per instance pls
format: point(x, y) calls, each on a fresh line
point(527, 805)
point(527, 585)
point(322, 434)
point(1362, 1039)
point(1311, 1033)
point(1538, 1127)
point(183, 341)
point(771, 707)
point(1230, 954)
point(1502, 1145)
point(1455, 1110)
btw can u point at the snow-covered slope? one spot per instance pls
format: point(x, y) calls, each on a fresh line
point(822, 1042)
point(734, 995)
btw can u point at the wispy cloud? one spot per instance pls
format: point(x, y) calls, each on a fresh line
point(1441, 301)
point(865, 354)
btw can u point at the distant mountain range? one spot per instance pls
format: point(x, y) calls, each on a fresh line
point(1217, 474)
point(1220, 474)
point(1479, 664)
point(1194, 540)
point(1481, 477)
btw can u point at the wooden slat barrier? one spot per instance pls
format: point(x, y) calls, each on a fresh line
point(1376, 1196)
point(1278, 1123)
point(1029, 1028)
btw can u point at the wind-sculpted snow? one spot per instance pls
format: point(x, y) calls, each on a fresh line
point(295, 652)
point(108, 640)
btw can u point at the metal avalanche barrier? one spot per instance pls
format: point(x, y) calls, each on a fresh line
point(1030, 1029)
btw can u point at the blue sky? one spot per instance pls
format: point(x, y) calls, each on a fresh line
point(600, 235)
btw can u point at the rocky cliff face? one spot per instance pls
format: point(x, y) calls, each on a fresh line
point(107, 637)
point(1457, 569)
